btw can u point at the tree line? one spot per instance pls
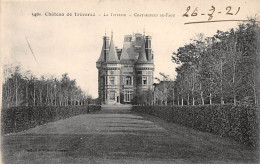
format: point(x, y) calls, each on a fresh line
point(220, 69)
point(25, 89)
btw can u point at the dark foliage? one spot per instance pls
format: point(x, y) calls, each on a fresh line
point(16, 119)
point(237, 122)
point(221, 69)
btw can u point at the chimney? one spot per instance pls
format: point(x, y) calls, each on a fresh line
point(106, 47)
point(148, 48)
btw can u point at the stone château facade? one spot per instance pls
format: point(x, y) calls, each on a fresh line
point(124, 73)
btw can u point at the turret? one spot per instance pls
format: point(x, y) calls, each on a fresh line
point(104, 51)
point(142, 55)
point(144, 68)
point(112, 54)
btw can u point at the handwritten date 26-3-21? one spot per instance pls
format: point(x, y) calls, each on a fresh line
point(212, 10)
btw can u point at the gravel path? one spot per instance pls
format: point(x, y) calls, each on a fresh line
point(117, 135)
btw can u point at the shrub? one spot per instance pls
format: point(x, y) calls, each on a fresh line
point(20, 118)
point(238, 122)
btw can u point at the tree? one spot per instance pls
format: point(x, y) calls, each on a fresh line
point(24, 89)
point(219, 69)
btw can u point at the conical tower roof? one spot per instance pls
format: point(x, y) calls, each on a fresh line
point(102, 56)
point(142, 55)
point(112, 56)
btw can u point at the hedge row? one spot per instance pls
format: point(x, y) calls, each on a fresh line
point(238, 122)
point(17, 119)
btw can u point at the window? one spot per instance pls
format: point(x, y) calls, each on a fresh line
point(112, 80)
point(139, 72)
point(128, 96)
point(144, 81)
point(112, 95)
point(128, 80)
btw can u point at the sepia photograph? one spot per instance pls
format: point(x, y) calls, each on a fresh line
point(130, 81)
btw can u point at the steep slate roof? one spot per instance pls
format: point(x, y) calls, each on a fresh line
point(127, 55)
point(142, 56)
point(112, 56)
point(151, 60)
point(102, 56)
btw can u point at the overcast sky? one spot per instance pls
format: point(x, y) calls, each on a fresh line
point(73, 44)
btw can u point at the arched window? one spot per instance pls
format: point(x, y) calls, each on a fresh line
point(128, 80)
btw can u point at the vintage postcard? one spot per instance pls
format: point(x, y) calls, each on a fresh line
point(130, 82)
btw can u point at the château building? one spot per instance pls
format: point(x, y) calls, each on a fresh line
point(125, 73)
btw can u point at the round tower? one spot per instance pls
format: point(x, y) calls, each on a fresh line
point(144, 67)
point(111, 74)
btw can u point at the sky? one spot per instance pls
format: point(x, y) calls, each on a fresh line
point(72, 44)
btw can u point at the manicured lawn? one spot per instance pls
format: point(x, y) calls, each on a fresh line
point(116, 135)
